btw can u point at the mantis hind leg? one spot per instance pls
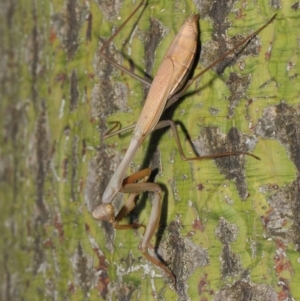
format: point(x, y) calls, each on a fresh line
point(165, 123)
point(114, 63)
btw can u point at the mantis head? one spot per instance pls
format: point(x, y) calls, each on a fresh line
point(104, 212)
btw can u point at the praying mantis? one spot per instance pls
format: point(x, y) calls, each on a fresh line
point(169, 84)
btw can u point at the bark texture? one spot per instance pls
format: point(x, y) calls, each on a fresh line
point(230, 227)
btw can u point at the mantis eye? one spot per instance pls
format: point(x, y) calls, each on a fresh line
point(104, 212)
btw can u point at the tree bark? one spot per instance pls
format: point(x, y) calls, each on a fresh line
point(230, 227)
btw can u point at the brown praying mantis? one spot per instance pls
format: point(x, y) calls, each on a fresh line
point(169, 84)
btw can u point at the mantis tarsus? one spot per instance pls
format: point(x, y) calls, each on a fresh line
point(169, 84)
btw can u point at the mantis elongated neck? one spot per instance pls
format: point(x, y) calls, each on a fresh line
point(116, 180)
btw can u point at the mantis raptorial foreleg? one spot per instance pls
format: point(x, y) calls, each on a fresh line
point(129, 204)
point(167, 87)
point(129, 185)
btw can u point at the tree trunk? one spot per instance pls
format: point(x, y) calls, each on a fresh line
point(229, 228)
